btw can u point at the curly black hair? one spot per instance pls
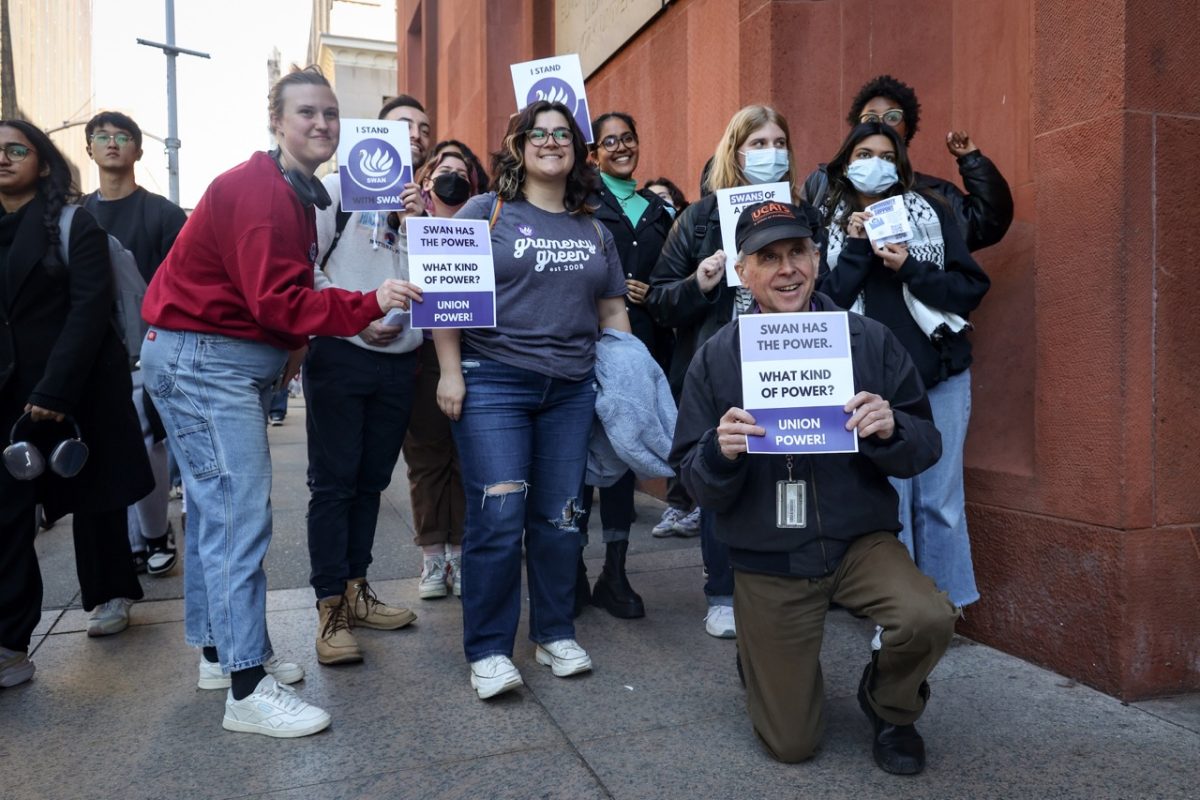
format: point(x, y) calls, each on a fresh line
point(893, 89)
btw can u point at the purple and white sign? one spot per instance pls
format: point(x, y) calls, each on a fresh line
point(797, 375)
point(374, 163)
point(557, 80)
point(451, 260)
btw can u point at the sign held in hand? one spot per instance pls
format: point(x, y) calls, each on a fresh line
point(730, 205)
point(888, 223)
point(374, 163)
point(451, 260)
point(557, 80)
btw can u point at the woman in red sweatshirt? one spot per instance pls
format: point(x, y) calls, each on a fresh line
point(230, 312)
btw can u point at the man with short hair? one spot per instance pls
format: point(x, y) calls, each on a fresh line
point(420, 133)
point(844, 549)
point(146, 224)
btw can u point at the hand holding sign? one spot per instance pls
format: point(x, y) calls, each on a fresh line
point(394, 293)
point(871, 415)
point(735, 425)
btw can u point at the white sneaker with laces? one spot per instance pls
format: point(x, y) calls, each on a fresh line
point(494, 675)
point(689, 524)
point(454, 574)
point(110, 617)
point(273, 710)
point(666, 525)
point(433, 578)
point(719, 622)
point(564, 657)
point(15, 667)
point(284, 672)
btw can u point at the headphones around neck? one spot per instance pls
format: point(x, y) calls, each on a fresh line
point(25, 461)
point(310, 190)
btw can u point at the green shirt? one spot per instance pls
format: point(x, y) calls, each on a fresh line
point(632, 203)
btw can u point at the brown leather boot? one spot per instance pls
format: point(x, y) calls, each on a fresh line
point(335, 641)
point(366, 611)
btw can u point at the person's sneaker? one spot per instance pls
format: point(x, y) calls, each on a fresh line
point(175, 492)
point(273, 709)
point(564, 657)
point(109, 618)
point(276, 421)
point(211, 676)
point(15, 667)
point(367, 611)
point(719, 622)
point(454, 574)
point(689, 524)
point(897, 749)
point(162, 559)
point(140, 562)
point(433, 578)
point(335, 642)
point(666, 525)
point(494, 675)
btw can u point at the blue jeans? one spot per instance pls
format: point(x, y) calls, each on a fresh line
point(359, 402)
point(212, 392)
point(521, 428)
point(932, 505)
point(718, 589)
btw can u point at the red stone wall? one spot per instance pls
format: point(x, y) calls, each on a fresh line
point(1082, 465)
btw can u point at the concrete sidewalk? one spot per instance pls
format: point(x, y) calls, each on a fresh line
point(661, 716)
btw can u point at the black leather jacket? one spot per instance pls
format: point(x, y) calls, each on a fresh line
point(983, 213)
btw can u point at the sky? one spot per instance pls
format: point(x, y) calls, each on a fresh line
point(222, 101)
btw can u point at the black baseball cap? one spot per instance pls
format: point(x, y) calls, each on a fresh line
point(764, 223)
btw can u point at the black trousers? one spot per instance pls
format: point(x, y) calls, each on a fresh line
point(103, 558)
point(20, 578)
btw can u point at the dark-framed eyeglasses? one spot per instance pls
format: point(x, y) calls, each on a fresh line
point(119, 139)
point(893, 117)
point(538, 137)
point(15, 152)
point(612, 142)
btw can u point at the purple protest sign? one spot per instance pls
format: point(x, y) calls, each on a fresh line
point(455, 310)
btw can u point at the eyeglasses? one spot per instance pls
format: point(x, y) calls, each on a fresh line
point(15, 152)
point(611, 143)
point(893, 117)
point(120, 139)
point(538, 137)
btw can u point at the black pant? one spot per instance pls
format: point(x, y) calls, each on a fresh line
point(103, 558)
point(616, 506)
point(359, 402)
point(20, 578)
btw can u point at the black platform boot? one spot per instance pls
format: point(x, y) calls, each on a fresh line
point(612, 591)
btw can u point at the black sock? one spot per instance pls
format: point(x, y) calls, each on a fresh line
point(210, 655)
point(158, 544)
point(246, 681)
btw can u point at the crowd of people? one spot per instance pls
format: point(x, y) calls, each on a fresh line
point(269, 278)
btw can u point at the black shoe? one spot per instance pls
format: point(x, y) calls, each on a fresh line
point(612, 591)
point(139, 562)
point(583, 594)
point(898, 749)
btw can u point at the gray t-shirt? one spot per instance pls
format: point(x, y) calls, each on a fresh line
point(551, 268)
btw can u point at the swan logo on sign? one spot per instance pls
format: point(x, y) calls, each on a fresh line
point(552, 90)
point(375, 166)
point(554, 80)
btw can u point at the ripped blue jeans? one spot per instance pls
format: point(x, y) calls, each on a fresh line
point(522, 443)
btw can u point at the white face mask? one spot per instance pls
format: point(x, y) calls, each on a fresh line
point(872, 176)
point(765, 166)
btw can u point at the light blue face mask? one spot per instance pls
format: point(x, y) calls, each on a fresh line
point(765, 166)
point(872, 176)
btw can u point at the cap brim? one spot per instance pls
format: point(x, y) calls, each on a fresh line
point(759, 239)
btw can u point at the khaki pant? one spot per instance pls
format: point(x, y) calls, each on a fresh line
point(434, 480)
point(781, 622)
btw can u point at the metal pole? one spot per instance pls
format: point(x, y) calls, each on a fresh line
point(172, 110)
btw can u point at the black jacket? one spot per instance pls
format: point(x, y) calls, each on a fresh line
point(848, 495)
point(59, 350)
point(958, 288)
point(675, 300)
point(639, 248)
point(983, 213)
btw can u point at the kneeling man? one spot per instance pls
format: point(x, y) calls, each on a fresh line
point(847, 551)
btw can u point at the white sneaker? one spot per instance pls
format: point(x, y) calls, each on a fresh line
point(877, 642)
point(433, 578)
point(273, 710)
point(211, 676)
point(689, 524)
point(719, 622)
point(564, 657)
point(666, 525)
point(494, 675)
point(109, 618)
point(15, 667)
point(454, 574)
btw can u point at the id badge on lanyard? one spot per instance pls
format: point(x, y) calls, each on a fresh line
point(791, 502)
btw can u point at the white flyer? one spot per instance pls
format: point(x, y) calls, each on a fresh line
point(730, 205)
point(559, 80)
point(888, 223)
point(374, 162)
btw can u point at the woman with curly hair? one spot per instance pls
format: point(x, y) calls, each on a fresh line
point(62, 369)
point(522, 395)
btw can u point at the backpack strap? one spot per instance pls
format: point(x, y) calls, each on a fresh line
point(343, 217)
point(494, 216)
point(65, 217)
point(600, 233)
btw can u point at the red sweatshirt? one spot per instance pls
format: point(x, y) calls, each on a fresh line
point(243, 267)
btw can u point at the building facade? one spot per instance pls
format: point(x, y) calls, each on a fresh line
point(1083, 495)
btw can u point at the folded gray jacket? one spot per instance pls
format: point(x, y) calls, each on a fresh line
point(635, 413)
